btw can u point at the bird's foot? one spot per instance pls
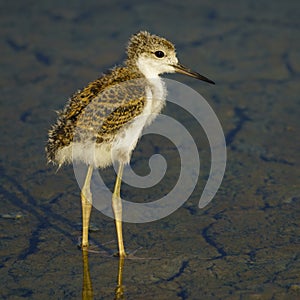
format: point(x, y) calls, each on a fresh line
point(90, 247)
point(131, 255)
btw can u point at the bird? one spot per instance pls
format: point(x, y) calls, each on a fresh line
point(102, 122)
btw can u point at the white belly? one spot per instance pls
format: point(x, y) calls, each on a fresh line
point(124, 142)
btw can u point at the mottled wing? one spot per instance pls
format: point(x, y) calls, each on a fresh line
point(99, 110)
point(111, 110)
point(121, 116)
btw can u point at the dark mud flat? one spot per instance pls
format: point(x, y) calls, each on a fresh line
point(245, 243)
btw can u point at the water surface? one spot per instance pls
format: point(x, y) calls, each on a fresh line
point(245, 243)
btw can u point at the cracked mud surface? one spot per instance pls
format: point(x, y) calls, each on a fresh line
point(245, 243)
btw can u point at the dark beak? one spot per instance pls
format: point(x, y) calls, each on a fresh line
point(184, 70)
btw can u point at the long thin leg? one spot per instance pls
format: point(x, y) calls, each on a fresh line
point(86, 203)
point(117, 208)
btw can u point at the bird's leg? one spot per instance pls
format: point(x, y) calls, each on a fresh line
point(117, 208)
point(86, 203)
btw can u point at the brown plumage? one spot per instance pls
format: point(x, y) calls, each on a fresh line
point(102, 122)
point(113, 103)
point(113, 110)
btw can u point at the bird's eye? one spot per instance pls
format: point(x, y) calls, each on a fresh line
point(159, 54)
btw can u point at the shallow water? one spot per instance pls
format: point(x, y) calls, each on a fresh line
point(245, 243)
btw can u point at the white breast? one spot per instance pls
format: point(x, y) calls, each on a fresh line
point(121, 147)
point(126, 140)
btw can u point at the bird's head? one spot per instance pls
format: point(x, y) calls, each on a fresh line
point(154, 55)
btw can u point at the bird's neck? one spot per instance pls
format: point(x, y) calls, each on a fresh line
point(155, 86)
point(147, 69)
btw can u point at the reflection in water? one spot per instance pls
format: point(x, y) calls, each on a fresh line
point(87, 288)
point(120, 289)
